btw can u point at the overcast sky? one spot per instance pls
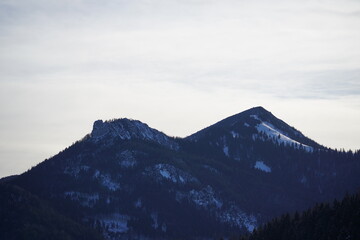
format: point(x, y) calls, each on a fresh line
point(177, 65)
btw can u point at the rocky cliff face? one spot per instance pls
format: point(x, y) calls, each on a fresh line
point(127, 129)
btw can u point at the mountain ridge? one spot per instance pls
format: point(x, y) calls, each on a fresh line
point(132, 181)
point(126, 128)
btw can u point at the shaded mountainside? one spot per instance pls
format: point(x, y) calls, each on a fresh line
point(133, 182)
point(25, 216)
point(339, 220)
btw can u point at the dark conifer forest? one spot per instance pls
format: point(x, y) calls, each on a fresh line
point(337, 220)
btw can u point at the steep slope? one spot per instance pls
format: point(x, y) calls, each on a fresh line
point(132, 181)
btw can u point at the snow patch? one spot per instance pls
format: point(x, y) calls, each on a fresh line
point(85, 199)
point(114, 223)
point(138, 203)
point(279, 137)
point(179, 196)
point(226, 150)
point(303, 179)
point(224, 212)
point(234, 134)
point(211, 169)
point(106, 181)
point(154, 217)
point(260, 165)
point(126, 159)
point(75, 170)
point(169, 173)
point(238, 218)
point(111, 185)
point(205, 198)
point(256, 117)
point(163, 227)
point(320, 190)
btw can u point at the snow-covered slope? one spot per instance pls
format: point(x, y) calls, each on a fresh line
point(279, 136)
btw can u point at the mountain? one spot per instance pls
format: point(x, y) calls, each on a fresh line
point(256, 123)
point(131, 181)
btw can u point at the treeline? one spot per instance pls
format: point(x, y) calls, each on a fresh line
point(337, 221)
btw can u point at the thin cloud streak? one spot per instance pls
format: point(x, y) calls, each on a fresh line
point(214, 41)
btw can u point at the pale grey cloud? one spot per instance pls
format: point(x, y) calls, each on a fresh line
point(66, 63)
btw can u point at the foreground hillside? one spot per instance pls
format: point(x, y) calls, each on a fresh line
point(25, 216)
point(339, 220)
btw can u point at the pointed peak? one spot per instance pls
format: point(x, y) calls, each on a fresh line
point(260, 111)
